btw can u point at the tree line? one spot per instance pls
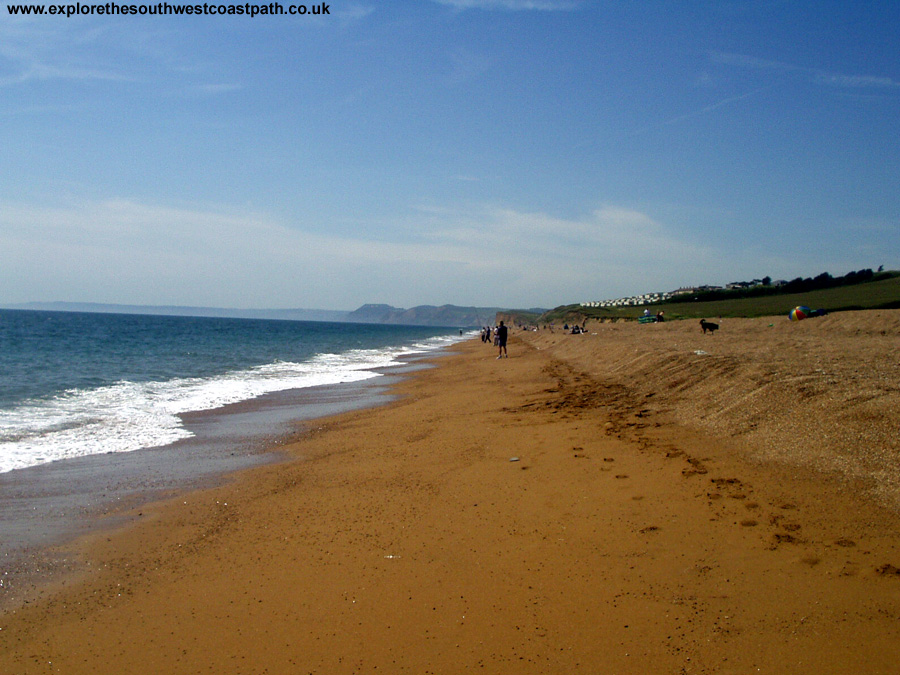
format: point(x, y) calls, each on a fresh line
point(798, 285)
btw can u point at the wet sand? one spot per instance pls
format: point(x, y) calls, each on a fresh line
point(44, 506)
point(625, 501)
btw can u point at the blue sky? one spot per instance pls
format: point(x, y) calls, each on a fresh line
point(477, 152)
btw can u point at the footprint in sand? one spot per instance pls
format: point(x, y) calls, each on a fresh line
point(888, 570)
point(781, 538)
point(696, 468)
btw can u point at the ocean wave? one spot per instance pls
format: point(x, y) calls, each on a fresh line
point(128, 416)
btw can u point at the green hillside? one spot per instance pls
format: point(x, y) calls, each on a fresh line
point(882, 294)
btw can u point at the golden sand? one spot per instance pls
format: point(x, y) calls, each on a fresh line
point(638, 499)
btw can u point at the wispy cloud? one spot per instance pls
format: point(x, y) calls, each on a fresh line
point(614, 233)
point(817, 75)
point(37, 51)
point(88, 51)
point(40, 71)
point(125, 251)
point(701, 111)
point(120, 250)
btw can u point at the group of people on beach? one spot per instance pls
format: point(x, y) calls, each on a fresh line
point(496, 336)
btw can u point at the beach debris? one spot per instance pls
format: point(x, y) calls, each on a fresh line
point(513, 459)
point(700, 352)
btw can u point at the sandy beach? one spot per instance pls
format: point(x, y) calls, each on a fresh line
point(641, 498)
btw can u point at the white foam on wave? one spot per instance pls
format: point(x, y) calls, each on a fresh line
point(436, 342)
point(128, 416)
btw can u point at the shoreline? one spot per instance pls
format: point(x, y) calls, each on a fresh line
point(408, 540)
point(47, 507)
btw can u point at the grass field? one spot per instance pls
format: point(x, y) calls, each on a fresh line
point(883, 294)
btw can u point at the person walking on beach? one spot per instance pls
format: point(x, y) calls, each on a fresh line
point(501, 340)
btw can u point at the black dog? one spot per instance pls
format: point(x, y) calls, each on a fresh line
point(707, 326)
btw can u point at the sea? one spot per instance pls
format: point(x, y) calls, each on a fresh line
point(76, 384)
point(101, 413)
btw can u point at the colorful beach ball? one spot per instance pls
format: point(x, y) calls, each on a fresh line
point(799, 313)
